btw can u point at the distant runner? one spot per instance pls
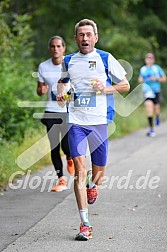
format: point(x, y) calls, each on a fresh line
point(151, 75)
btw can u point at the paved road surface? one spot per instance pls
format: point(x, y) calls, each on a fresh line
point(130, 214)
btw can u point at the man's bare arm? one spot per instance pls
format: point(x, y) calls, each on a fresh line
point(122, 86)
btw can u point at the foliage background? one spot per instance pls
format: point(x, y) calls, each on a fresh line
point(127, 28)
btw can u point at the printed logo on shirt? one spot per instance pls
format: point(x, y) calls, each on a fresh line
point(92, 65)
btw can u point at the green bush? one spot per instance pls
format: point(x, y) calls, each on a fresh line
point(17, 83)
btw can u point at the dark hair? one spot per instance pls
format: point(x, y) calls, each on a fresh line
point(56, 37)
point(84, 22)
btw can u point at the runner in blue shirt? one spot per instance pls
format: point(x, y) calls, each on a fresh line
point(151, 75)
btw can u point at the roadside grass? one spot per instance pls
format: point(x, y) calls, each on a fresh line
point(137, 120)
point(126, 125)
point(10, 151)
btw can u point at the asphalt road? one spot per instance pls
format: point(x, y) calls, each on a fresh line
point(129, 215)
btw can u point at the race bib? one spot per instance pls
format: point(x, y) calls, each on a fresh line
point(84, 100)
point(149, 94)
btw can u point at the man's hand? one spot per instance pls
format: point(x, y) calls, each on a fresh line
point(153, 78)
point(42, 88)
point(98, 86)
point(60, 98)
point(45, 89)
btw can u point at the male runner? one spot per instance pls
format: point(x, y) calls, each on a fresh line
point(91, 73)
point(49, 72)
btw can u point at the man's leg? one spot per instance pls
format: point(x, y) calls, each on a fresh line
point(53, 122)
point(150, 111)
point(81, 198)
point(80, 181)
point(77, 137)
point(54, 139)
point(157, 109)
point(98, 144)
point(97, 174)
point(53, 136)
point(78, 143)
point(65, 146)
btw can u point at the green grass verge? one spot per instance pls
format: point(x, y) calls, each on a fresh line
point(137, 120)
point(126, 125)
point(10, 151)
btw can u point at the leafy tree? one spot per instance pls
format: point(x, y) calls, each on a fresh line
point(16, 65)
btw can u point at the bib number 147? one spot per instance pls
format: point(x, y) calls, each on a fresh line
point(85, 99)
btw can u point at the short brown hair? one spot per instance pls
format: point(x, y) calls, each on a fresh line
point(84, 22)
point(56, 37)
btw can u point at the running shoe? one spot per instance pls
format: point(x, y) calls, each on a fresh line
point(61, 186)
point(92, 190)
point(70, 166)
point(157, 122)
point(85, 233)
point(92, 194)
point(151, 133)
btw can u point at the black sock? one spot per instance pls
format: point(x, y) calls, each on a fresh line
point(150, 120)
